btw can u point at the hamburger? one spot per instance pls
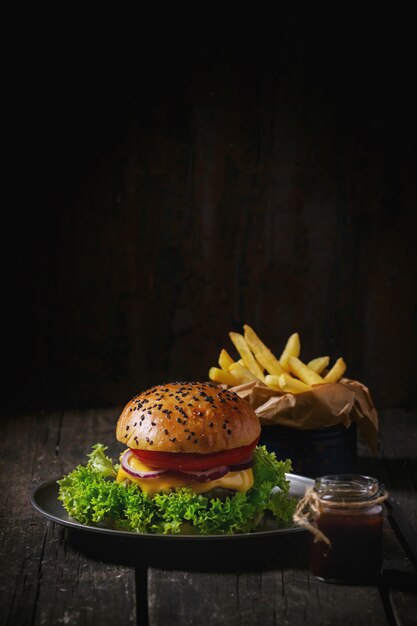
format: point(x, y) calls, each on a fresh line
point(193, 435)
point(190, 465)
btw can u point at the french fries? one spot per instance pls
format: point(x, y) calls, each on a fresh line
point(319, 364)
point(242, 374)
point(337, 371)
point(292, 348)
point(292, 385)
point(304, 373)
point(288, 374)
point(247, 357)
point(272, 380)
point(220, 376)
point(263, 354)
point(225, 360)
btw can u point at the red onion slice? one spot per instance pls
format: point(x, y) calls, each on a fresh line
point(214, 473)
point(154, 473)
point(203, 476)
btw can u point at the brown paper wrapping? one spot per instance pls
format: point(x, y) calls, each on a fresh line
point(325, 405)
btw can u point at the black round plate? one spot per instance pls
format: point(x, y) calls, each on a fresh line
point(192, 551)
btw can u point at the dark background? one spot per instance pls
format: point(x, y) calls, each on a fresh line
point(171, 186)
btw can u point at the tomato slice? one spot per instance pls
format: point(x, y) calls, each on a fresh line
point(193, 461)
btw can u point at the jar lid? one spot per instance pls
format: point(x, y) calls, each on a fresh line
point(347, 488)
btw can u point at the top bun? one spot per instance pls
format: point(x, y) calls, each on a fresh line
point(187, 417)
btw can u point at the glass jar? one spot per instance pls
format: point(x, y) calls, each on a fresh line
point(351, 518)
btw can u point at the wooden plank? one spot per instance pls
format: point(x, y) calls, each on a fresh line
point(46, 580)
point(315, 602)
point(396, 467)
point(258, 598)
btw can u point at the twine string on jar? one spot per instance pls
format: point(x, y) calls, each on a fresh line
point(310, 507)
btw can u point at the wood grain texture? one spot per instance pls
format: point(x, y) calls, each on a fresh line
point(274, 597)
point(43, 579)
point(182, 193)
point(49, 578)
point(396, 467)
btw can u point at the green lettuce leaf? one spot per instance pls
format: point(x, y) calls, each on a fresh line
point(90, 495)
point(101, 463)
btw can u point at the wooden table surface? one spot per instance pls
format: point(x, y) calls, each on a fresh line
point(52, 575)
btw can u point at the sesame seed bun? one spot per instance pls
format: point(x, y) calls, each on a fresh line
point(187, 417)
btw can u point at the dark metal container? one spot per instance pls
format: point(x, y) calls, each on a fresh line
point(313, 452)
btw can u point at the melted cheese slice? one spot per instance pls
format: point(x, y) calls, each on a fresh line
point(239, 481)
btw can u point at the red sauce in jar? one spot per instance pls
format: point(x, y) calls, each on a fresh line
point(355, 533)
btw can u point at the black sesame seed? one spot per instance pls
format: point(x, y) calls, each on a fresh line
point(166, 432)
point(153, 423)
point(135, 424)
point(229, 432)
point(211, 424)
point(127, 427)
point(195, 440)
point(186, 430)
point(173, 439)
point(189, 437)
